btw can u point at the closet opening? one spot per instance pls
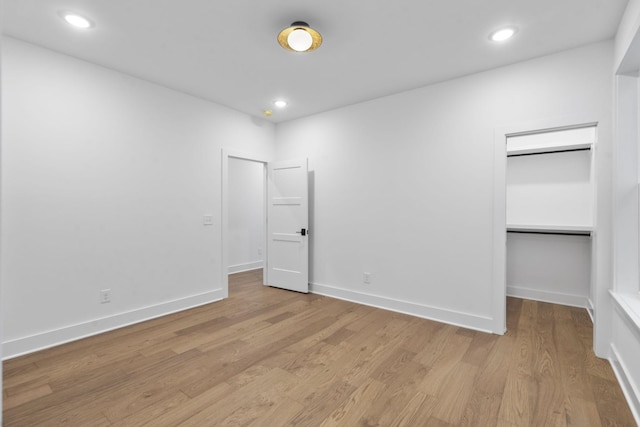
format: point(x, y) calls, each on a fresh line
point(550, 212)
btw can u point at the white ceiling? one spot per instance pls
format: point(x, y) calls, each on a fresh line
point(227, 52)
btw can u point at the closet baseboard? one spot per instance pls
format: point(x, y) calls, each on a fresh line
point(548, 296)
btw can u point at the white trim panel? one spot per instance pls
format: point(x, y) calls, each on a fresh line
point(549, 140)
point(629, 389)
point(30, 344)
point(456, 318)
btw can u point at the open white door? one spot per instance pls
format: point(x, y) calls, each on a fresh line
point(287, 226)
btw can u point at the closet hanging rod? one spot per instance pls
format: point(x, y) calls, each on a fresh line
point(547, 152)
point(557, 233)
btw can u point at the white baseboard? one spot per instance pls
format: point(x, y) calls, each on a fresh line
point(41, 341)
point(465, 320)
point(629, 389)
point(239, 268)
point(547, 296)
point(590, 309)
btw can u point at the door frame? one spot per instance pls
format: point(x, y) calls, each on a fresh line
point(224, 214)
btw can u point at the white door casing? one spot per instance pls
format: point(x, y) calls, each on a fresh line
point(287, 226)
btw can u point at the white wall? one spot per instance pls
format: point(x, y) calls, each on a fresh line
point(550, 189)
point(1, 312)
point(624, 344)
point(626, 43)
point(403, 186)
point(105, 181)
point(549, 267)
point(246, 214)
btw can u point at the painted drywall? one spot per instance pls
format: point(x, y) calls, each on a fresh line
point(246, 215)
point(550, 189)
point(402, 186)
point(624, 318)
point(626, 58)
point(548, 267)
point(1, 312)
point(106, 180)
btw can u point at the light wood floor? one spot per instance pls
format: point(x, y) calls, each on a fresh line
point(268, 357)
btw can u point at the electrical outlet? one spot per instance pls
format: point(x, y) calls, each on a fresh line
point(366, 277)
point(259, 251)
point(207, 220)
point(105, 296)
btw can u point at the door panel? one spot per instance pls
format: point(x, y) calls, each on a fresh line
point(287, 216)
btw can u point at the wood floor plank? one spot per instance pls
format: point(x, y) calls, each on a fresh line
point(246, 403)
point(580, 412)
point(138, 361)
point(493, 372)
point(520, 384)
point(266, 356)
point(21, 371)
point(547, 402)
point(445, 364)
point(482, 409)
point(188, 408)
point(350, 412)
point(610, 403)
point(392, 403)
point(17, 399)
point(25, 386)
point(62, 404)
point(454, 396)
point(280, 414)
point(484, 403)
point(407, 414)
point(479, 349)
point(422, 332)
point(434, 346)
point(152, 412)
point(321, 403)
point(422, 415)
point(262, 348)
point(293, 355)
point(308, 362)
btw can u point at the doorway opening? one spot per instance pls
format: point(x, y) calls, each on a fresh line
point(246, 215)
point(244, 220)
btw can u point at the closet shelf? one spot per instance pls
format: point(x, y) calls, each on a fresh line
point(580, 230)
point(520, 151)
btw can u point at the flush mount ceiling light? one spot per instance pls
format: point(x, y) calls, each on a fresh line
point(280, 103)
point(76, 20)
point(299, 37)
point(502, 34)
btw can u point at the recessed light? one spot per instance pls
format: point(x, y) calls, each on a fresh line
point(502, 34)
point(76, 20)
point(280, 103)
